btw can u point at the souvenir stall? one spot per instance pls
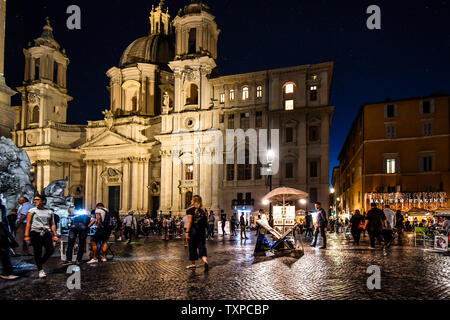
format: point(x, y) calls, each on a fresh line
point(284, 223)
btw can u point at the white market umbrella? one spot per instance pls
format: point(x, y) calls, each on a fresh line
point(285, 194)
point(442, 212)
point(417, 212)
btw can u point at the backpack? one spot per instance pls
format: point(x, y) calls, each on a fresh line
point(200, 219)
point(110, 222)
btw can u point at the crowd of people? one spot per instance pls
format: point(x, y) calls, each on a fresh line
point(32, 230)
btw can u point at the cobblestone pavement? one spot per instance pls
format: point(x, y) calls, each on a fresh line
point(156, 269)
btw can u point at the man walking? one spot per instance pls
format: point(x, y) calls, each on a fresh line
point(388, 233)
point(79, 227)
point(374, 224)
point(309, 225)
point(130, 226)
point(322, 223)
point(243, 224)
point(25, 206)
point(211, 221)
point(224, 221)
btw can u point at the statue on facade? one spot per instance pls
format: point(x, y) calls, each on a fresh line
point(166, 109)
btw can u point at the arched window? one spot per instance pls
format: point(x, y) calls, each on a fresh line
point(37, 66)
point(288, 95)
point(192, 41)
point(245, 93)
point(289, 87)
point(192, 94)
point(134, 103)
point(187, 199)
point(259, 92)
point(131, 96)
point(55, 72)
point(35, 115)
point(189, 172)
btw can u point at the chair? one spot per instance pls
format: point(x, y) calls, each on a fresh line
point(420, 234)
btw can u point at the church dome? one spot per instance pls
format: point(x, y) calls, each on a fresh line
point(195, 7)
point(155, 49)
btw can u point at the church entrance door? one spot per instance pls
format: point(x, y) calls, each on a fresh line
point(114, 199)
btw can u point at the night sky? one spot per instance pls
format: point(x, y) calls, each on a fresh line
point(408, 57)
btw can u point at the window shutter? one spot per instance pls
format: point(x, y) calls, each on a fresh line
point(395, 110)
point(421, 107)
point(385, 111)
point(385, 165)
point(421, 164)
point(432, 106)
point(397, 165)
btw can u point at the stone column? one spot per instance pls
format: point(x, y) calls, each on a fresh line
point(46, 174)
point(125, 185)
point(146, 184)
point(99, 186)
point(140, 185)
point(168, 176)
point(205, 179)
point(88, 186)
point(177, 168)
point(39, 173)
point(163, 196)
point(215, 187)
point(134, 184)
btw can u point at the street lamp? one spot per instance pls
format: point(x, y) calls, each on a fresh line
point(265, 202)
point(303, 201)
point(332, 190)
point(270, 158)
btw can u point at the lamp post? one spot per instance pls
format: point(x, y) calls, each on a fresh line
point(270, 158)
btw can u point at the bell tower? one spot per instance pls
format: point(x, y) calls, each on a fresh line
point(160, 22)
point(44, 94)
point(196, 53)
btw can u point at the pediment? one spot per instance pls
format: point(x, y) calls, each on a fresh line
point(107, 139)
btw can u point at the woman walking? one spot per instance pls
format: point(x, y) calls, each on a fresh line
point(196, 232)
point(41, 230)
point(399, 225)
point(356, 229)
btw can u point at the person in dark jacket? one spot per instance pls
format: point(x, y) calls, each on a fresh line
point(399, 225)
point(322, 223)
point(309, 225)
point(354, 224)
point(196, 232)
point(6, 241)
point(374, 224)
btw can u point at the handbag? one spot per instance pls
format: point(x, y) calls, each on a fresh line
point(361, 225)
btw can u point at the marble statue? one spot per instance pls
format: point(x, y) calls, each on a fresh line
point(16, 180)
point(15, 174)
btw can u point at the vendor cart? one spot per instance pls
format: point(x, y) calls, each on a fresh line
point(285, 243)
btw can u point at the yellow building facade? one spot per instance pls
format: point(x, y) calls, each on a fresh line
point(397, 153)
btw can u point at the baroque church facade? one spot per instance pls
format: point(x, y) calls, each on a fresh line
point(167, 104)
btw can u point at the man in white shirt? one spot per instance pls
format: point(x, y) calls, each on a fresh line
point(130, 226)
point(389, 225)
